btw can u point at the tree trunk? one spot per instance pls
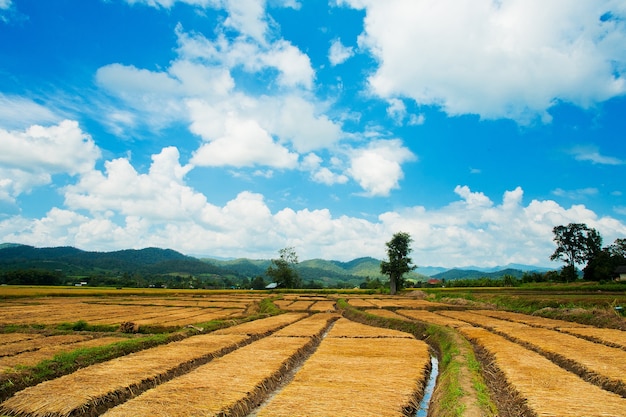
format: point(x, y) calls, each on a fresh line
point(393, 285)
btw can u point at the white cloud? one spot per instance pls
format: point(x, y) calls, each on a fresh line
point(396, 110)
point(592, 154)
point(5, 4)
point(295, 119)
point(293, 66)
point(19, 112)
point(158, 195)
point(578, 194)
point(320, 174)
point(169, 3)
point(473, 230)
point(377, 167)
point(244, 143)
point(29, 158)
point(416, 119)
point(339, 53)
point(498, 59)
point(247, 17)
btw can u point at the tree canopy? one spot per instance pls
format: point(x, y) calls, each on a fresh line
point(576, 244)
point(398, 263)
point(283, 269)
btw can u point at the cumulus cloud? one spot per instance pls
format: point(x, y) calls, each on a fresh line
point(498, 59)
point(158, 195)
point(474, 230)
point(29, 158)
point(241, 128)
point(321, 174)
point(294, 67)
point(377, 167)
point(244, 144)
point(339, 53)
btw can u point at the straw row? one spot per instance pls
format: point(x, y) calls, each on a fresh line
point(6, 338)
point(115, 311)
point(536, 321)
point(262, 327)
point(381, 312)
point(323, 306)
point(346, 377)
point(597, 363)
point(235, 383)
point(482, 320)
point(310, 326)
point(602, 365)
point(360, 303)
point(36, 343)
point(405, 303)
point(548, 389)
point(429, 317)
point(345, 328)
point(610, 337)
point(101, 385)
point(32, 358)
point(114, 381)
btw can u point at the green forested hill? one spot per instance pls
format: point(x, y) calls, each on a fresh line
point(145, 266)
point(76, 261)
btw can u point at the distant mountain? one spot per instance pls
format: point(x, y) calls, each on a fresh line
point(430, 270)
point(520, 267)
point(156, 261)
point(454, 274)
point(245, 267)
point(70, 259)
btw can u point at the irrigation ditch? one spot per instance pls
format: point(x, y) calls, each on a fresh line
point(461, 389)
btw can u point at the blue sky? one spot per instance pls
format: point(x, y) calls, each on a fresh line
point(234, 128)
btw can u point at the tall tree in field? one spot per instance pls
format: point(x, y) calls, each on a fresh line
point(283, 270)
point(603, 264)
point(399, 263)
point(576, 243)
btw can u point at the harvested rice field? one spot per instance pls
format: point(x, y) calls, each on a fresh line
point(206, 354)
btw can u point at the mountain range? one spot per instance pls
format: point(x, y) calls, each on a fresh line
point(75, 262)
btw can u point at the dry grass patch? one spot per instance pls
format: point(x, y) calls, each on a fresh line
point(283, 304)
point(420, 304)
point(428, 317)
point(235, 383)
point(264, 326)
point(299, 305)
point(113, 381)
point(345, 328)
point(609, 337)
point(383, 377)
point(381, 312)
point(360, 303)
point(307, 327)
point(231, 385)
point(387, 302)
point(323, 306)
point(32, 358)
point(28, 345)
point(8, 338)
point(530, 320)
point(482, 320)
point(543, 388)
point(600, 364)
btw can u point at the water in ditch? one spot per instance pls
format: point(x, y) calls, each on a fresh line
point(422, 411)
